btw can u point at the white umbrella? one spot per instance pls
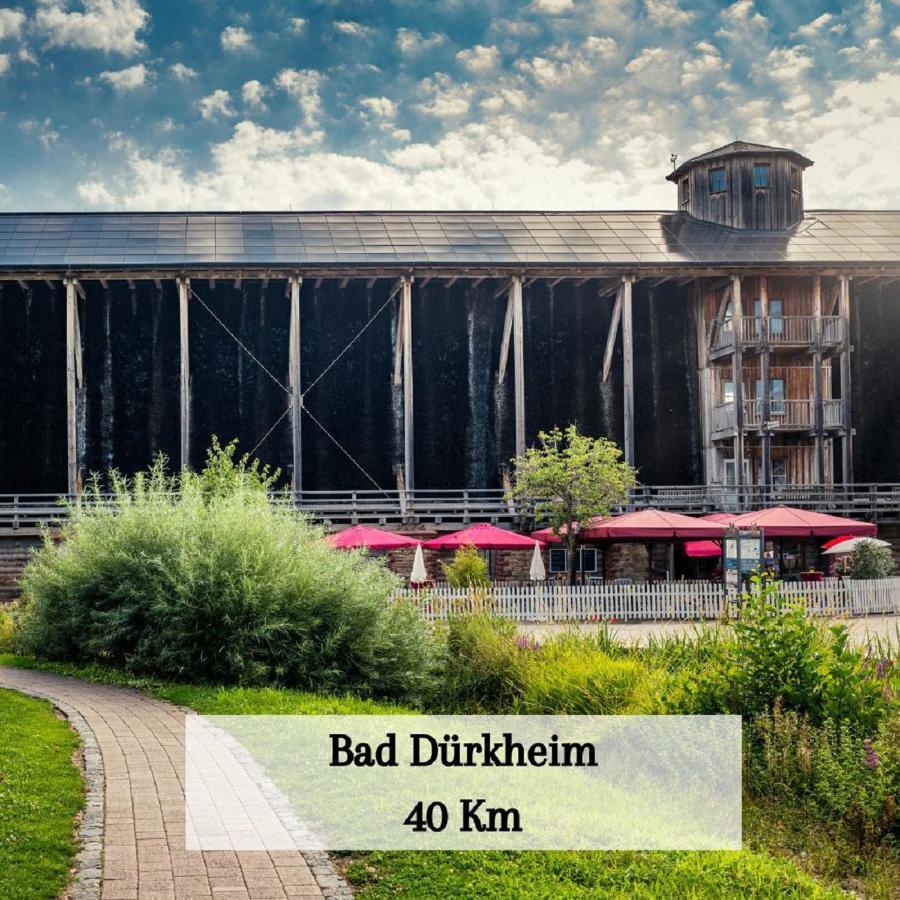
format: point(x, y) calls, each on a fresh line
point(537, 572)
point(848, 546)
point(419, 575)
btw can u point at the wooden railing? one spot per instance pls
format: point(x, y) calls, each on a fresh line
point(676, 600)
point(784, 415)
point(797, 331)
point(450, 507)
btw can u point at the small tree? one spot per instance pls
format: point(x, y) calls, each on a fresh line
point(869, 560)
point(468, 569)
point(573, 477)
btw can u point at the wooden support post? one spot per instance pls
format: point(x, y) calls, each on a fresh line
point(706, 413)
point(737, 378)
point(504, 342)
point(408, 417)
point(613, 331)
point(821, 476)
point(294, 379)
point(847, 449)
point(185, 373)
point(765, 382)
point(628, 370)
point(73, 351)
point(519, 361)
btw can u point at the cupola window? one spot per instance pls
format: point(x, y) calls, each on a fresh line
point(761, 175)
point(685, 194)
point(716, 181)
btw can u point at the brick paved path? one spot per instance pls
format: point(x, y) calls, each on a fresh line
point(140, 765)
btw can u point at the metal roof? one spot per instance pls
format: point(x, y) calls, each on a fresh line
point(46, 241)
point(740, 148)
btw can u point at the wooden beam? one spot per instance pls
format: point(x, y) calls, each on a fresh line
point(184, 374)
point(319, 283)
point(398, 350)
point(519, 361)
point(237, 284)
point(344, 283)
point(395, 288)
point(846, 386)
point(765, 383)
point(628, 371)
point(22, 284)
point(737, 377)
point(555, 282)
point(72, 479)
point(720, 315)
point(425, 280)
point(504, 341)
point(821, 476)
point(408, 416)
point(79, 287)
point(371, 283)
point(130, 284)
point(296, 387)
point(451, 282)
point(613, 331)
point(504, 288)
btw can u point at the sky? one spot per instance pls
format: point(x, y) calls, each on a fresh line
point(459, 104)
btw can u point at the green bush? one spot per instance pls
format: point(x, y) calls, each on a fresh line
point(467, 570)
point(871, 561)
point(568, 675)
point(218, 583)
point(482, 665)
point(6, 629)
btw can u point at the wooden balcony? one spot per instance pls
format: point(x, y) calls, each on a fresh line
point(784, 415)
point(784, 331)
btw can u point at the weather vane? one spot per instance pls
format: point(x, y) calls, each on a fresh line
point(672, 158)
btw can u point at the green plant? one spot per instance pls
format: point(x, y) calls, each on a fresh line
point(467, 570)
point(7, 627)
point(203, 578)
point(869, 560)
point(482, 665)
point(572, 477)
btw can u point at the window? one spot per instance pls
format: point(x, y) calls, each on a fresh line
point(728, 392)
point(776, 315)
point(776, 395)
point(779, 471)
point(586, 561)
point(685, 193)
point(795, 178)
point(761, 175)
point(716, 181)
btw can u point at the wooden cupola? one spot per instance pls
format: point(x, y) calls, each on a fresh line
point(743, 185)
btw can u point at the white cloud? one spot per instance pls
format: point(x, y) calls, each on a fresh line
point(816, 26)
point(4, 63)
point(298, 25)
point(505, 98)
point(234, 37)
point(553, 7)
point(354, 29)
point(303, 85)
point(253, 94)
point(411, 41)
point(739, 19)
point(218, 103)
point(566, 67)
point(43, 130)
point(895, 34)
point(788, 63)
point(649, 56)
point(446, 98)
point(479, 59)
point(108, 25)
point(380, 107)
point(181, 72)
point(707, 61)
point(667, 12)
point(25, 55)
point(124, 80)
point(11, 22)
point(475, 166)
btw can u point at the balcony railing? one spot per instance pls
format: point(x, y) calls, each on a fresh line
point(450, 507)
point(784, 415)
point(794, 331)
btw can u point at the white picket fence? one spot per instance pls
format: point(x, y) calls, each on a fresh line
point(678, 600)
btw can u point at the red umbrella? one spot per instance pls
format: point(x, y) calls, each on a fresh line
point(547, 535)
point(723, 517)
point(484, 537)
point(363, 536)
point(654, 525)
point(699, 549)
point(837, 540)
point(785, 521)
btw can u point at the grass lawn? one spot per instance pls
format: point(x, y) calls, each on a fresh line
point(769, 869)
point(40, 795)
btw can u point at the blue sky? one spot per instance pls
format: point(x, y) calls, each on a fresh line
point(158, 104)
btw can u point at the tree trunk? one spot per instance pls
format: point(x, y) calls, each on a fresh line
point(571, 543)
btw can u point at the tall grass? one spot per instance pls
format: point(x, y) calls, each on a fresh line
point(203, 578)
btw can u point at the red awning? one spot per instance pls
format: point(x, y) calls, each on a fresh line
point(700, 549)
point(786, 521)
point(363, 536)
point(654, 525)
point(723, 518)
point(484, 537)
point(547, 535)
